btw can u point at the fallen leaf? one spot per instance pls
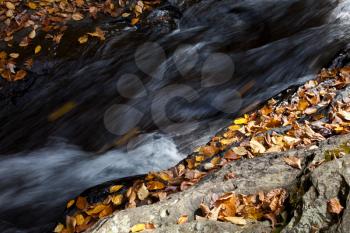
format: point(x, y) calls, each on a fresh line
point(21, 74)
point(293, 161)
point(117, 199)
point(70, 203)
point(98, 33)
point(257, 147)
point(10, 5)
point(80, 219)
point(142, 192)
point(240, 121)
point(334, 206)
point(58, 113)
point(37, 49)
point(14, 55)
point(155, 185)
point(138, 227)
point(96, 209)
point(81, 203)
point(115, 188)
point(236, 220)
point(77, 16)
point(345, 115)
point(83, 39)
point(59, 228)
point(183, 219)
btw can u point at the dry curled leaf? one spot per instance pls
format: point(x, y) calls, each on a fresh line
point(236, 220)
point(334, 206)
point(293, 161)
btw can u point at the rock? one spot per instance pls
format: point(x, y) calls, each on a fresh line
point(310, 189)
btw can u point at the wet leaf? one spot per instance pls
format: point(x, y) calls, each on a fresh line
point(60, 112)
point(334, 206)
point(37, 49)
point(96, 209)
point(241, 121)
point(80, 219)
point(14, 55)
point(115, 188)
point(59, 228)
point(70, 203)
point(293, 161)
point(83, 39)
point(98, 33)
point(21, 74)
point(134, 21)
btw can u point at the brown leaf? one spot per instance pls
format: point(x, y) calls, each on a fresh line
point(293, 161)
point(81, 203)
point(334, 206)
point(256, 146)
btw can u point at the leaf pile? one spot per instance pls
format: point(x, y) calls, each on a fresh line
point(234, 208)
point(313, 113)
point(21, 21)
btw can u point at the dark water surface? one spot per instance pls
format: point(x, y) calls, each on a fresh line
point(164, 85)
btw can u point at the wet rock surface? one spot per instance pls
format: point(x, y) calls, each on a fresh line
point(310, 189)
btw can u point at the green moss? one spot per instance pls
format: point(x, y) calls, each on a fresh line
point(344, 149)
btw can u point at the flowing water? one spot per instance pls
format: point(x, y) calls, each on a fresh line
point(144, 98)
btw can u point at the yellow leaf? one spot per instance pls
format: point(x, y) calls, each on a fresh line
point(240, 121)
point(97, 209)
point(32, 5)
point(183, 219)
point(37, 49)
point(83, 39)
point(10, 5)
point(115, 188)
point(134, 21)
point(138, 227)
point(58, 113)
point(98, 33)
point(117, 199)
point(155, 185)
point(234, 127)
point(58, 228)
point(80, 219)
point(125, 15)
point(302, 105)
point(236, 220)
point(70, 203)
point(32, 34)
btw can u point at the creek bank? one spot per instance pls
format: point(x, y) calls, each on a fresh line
point(309, 191)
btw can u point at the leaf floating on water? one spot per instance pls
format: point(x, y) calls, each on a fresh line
point(138, 227)
point(83, 39)
point(98, 33)
point(334, 206)
point(37, 49)
point(60, 112)
point(293, 161)
point(21, 74)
